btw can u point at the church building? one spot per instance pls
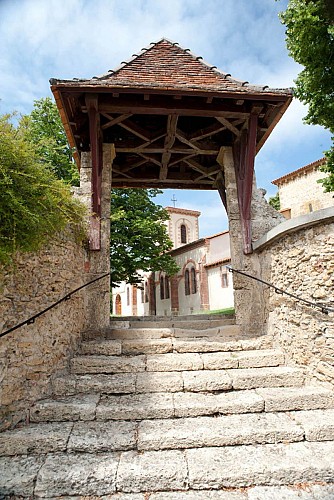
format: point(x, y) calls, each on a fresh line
point(203, 282)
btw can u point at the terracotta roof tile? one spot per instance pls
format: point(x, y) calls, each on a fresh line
point(167, 66)
point(299, 171)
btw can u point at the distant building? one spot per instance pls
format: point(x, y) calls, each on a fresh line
point(203, 283)
point(301, 193)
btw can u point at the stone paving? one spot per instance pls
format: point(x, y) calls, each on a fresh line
point(171, 417)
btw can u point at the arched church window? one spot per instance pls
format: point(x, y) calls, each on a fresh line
point(193, 280)
point(183, 230)
point(162, 288)
point(118, 305)
point(166, 287)
point(187, 282)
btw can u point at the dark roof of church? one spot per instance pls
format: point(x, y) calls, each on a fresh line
point(166, 66)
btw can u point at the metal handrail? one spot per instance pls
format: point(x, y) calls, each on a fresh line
point(31, 320)
point(323, 307)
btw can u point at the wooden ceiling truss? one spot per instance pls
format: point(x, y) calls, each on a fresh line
point(170, 140)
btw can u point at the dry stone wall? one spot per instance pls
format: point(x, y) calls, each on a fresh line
point(30, 355)
point(303, 263)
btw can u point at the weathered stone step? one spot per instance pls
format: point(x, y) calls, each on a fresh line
point(175, 362)
point(175, 433)
point(180, 404)
point(62, 474)
point(167, 345)
point(165, 332)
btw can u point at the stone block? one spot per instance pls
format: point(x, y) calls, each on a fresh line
point(250, 378)
point(159, 382)
point(107, 364)
point(106, 347)
point(206, 344)
point(317, 424)
point(194, 404)
point(174, 362)
point(96, 437)
point(152, 471)
point(271, 464)
point(199, 495)
point(18, 476)
point(140, 333)
point(117, 383)
point(301, 398)
point(155, 346)
point(77, 474)
point(219, 360)
point(64, 385)
point(40, 438)
point(308, 492)
point(218, 431)
point(137, 406)
point(260, 358)
point(65, 409)
point(206, 380)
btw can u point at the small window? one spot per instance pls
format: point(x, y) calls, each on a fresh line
point(166, 287)
point(224, 279)
point(187, 282)
point(183, 233)
point(193, 280)
point(128, 296)
point(162, 289)
point(146, 291)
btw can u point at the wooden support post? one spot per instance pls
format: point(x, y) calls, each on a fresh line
point(97, 163)
point(244, 150)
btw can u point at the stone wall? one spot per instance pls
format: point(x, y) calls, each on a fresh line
point(303, 193)
point(302, 262)
point(30, 355)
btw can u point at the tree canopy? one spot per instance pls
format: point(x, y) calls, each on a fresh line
point(139, 238)
point(310, 41)
point(34, 205)
point(44, 129)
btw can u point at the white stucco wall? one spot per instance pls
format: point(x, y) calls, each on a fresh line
point(220, 297)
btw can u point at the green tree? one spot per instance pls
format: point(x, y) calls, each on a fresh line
point(310, 41)
point(274, 201)
point(44, 129)
point(139, 238)
point(34, 205)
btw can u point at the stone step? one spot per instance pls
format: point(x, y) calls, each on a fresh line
point(96, 363)
point(179, 404)
point(228, 330)
point(65, 474)
point(175, 433)
point(175, 381)
point(165, 345)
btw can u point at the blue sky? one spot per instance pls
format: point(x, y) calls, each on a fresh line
point(41, 39)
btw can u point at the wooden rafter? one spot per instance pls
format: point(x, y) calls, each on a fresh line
point(228, 125)
point(169, 142)
point(114, 121)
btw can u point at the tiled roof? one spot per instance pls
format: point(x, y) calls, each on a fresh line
point(166, 66)
point(299, 171)
point(183, 211)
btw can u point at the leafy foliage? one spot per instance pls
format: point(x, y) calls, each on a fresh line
point(44, 129)
point(310, 41)
point(34, 205)
point(274, 201)
point(139, 236)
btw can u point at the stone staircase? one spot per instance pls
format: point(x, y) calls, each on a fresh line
point(175, 410)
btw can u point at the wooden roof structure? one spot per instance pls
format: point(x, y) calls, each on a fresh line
point(168, 113)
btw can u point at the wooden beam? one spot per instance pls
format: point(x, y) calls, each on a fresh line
point(97, 163)
point(174, 150)
point(222, 189)
point(228, 125)
point(206, 132)
point(244, 151)
point(169, 141)
point(114, 121)
point(136, 130)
